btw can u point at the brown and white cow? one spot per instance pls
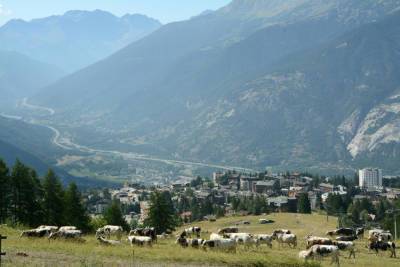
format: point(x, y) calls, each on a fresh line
point(315, 240)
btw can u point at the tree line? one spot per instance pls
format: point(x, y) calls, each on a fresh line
point(28, 200)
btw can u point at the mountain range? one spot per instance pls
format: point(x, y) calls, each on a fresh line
point(75, 39)
point(304, 83)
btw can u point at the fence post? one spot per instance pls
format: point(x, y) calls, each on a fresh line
point(1, 252)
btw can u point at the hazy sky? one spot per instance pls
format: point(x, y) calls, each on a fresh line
point(164, 10)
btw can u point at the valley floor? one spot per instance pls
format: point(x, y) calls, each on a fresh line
point(167, 253)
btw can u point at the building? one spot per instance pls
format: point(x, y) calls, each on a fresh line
point(246, 183)
point(264, 186)
point(370, 178)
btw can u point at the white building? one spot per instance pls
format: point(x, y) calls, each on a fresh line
point(370, 178)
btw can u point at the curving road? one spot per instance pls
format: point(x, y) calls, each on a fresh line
point(70, 145)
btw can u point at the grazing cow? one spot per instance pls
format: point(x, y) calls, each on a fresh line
point(140, 240)
point(67, 235)
point(342, 231)
point(346, 246)
point(107, 242)
point(67, 228)
point(188, 232)
point(346, 238)
point(220, 244)
point(109, 230)
point(148, 231)
point(317, 252)
point(289, 239)
point(227, 230)
point(36, 233)
point(384, 246)
point(243, 238)
point(265, 239)
point(182, 241)
point(315, 240)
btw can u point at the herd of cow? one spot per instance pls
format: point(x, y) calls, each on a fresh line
point(229, 238)
point(316, 247)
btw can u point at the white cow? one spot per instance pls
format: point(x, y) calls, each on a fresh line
point(316, 240)
point(109, 230)
point(224, 244)
point(75, 235)
point(265, 239)
point(346, 246)
point(140, 240)
point(188, 232)
point(243, 238)
point(317, 252)
point(290, 239)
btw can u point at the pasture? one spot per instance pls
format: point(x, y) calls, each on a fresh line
point(41, 252)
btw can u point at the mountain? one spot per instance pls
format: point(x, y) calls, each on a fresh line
point(261, 83)
point(21, 76)
point(76, 39)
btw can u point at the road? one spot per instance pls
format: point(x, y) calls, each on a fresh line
point(68, 144)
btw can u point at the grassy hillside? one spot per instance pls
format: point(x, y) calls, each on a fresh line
point(166, 253)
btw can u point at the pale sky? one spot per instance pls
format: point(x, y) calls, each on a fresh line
point(163, 10)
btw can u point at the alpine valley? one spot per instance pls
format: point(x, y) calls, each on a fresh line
point(287, 84)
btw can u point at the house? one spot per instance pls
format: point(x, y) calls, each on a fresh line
point(326, 188)
point(262, 187)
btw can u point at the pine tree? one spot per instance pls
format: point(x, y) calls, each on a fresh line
point(75, 212)
point(304, 205)
point(25, 203)
point(161, 213)
point(4, 191)
point(113, 215)
point(53, 203)
point(35, 200)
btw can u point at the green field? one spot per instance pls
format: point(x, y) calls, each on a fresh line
point(167, 253)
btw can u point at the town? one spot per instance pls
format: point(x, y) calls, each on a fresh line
point(361, 200)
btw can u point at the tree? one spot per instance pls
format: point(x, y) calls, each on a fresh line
point(113, 215)
point(354, 211)
point(25, 202)
point(4, 191)
point(74, 212)
point(161, 213)
point(53, 203)
point(304, 205)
